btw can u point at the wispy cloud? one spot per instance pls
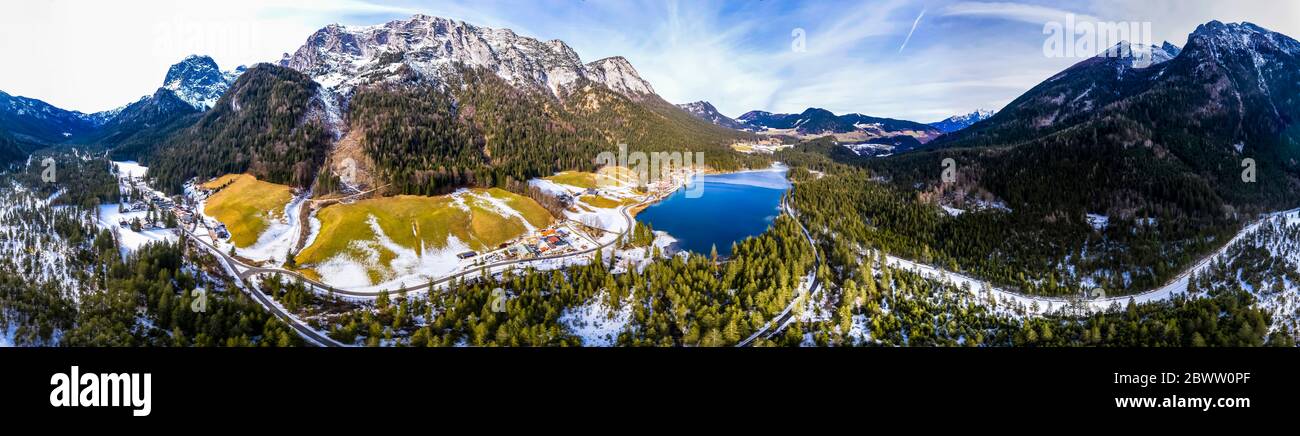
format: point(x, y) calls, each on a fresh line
point(1027, 13)
point(910, 32)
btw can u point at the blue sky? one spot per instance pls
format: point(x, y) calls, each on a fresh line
point(961, 55)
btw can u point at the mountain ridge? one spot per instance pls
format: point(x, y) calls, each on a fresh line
point(958, 122)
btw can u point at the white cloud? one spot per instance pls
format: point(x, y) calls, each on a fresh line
point(1033, 14)
point(97, 55)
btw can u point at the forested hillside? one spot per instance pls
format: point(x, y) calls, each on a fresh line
point(65, 281)
point(268, 124)
point(486, 132)
point(142, 126)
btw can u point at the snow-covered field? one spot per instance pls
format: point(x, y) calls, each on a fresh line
point(130, 168)
point(610, 219)
point(596, 322)
point(109, 217)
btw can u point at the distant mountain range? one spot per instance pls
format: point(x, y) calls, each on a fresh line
point(190, 86)
point(847, 129)
point(958, 122)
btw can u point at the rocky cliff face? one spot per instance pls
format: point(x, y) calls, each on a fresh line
point(343, 57)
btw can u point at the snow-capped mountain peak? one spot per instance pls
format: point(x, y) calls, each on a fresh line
point(619, 75)
point(198, 81)
point(343, 57)
point(1142, 56)
point(705, 111)
point(958, 122)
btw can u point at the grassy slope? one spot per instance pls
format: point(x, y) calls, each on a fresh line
point(575, 178)
point(417, 222)
point(246, 206)
point(601, 202)
point(607, 176)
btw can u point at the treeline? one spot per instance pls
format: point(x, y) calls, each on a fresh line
point(152, 278)
point(83, 181)
point(137, 131)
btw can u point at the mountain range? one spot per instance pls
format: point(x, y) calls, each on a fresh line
point(1122, 137)
point(198, 81)
point(342, 58)
point(958, 122)
point(849, 128)
point(479, 107)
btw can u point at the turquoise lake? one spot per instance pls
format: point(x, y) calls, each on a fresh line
point(730, 208)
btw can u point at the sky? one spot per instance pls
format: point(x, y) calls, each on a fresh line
point(922, 60)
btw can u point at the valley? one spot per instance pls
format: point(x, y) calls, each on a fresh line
point(391, 185)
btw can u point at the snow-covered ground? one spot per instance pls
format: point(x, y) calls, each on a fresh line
point(596, 322)
point(410, 269)
point(1040, 305)
point(610, 219)
point(110, 216)
point(130, 168)
point(1098, 222)
point(638, 258)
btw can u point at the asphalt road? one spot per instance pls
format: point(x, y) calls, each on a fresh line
point(303, 330)
point(777, 324)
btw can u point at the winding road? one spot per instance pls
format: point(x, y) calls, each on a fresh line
point(771, 328)
point(244, 272)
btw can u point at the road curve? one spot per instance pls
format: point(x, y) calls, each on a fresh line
point(305, 331)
